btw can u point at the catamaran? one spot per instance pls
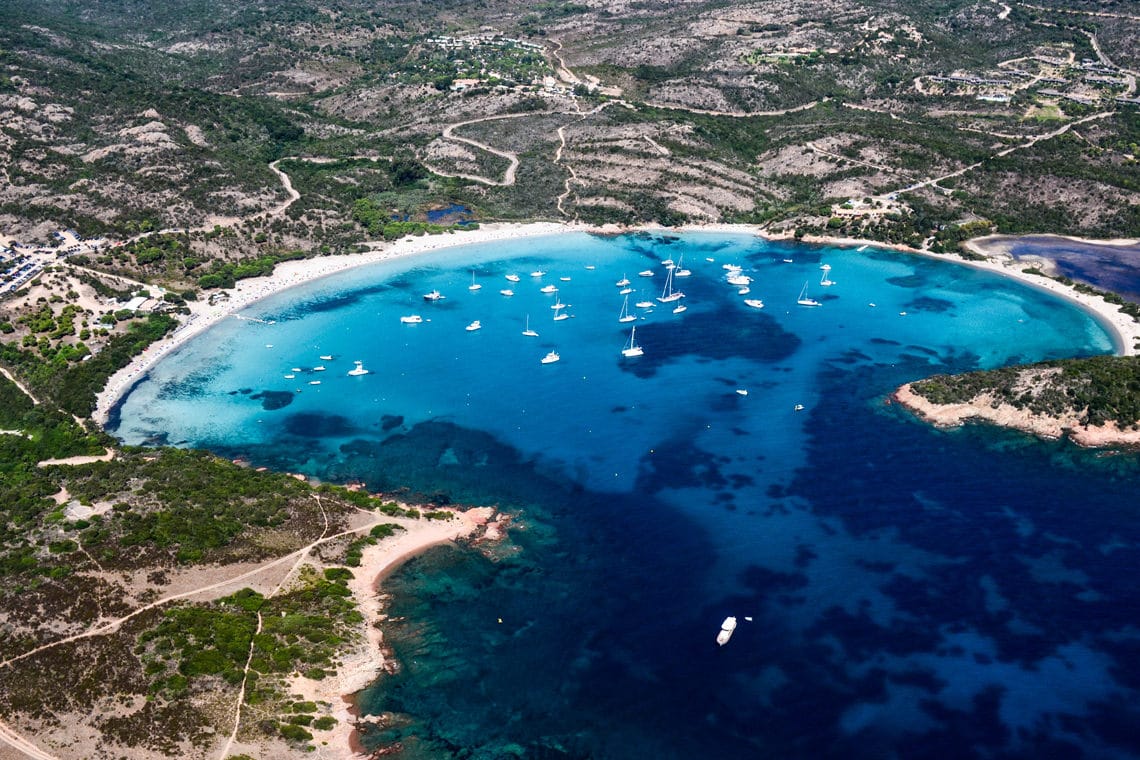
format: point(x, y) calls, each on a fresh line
point(625, 316)
point(529, 332)
point(803, 300)
point(632, 349)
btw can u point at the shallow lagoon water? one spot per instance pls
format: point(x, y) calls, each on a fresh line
point(912, 592)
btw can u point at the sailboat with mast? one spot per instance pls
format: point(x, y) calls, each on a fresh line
point(474, 285)
point(631, 349)
point(529, 332)
point(625, 316)
point(826, 280)
point(668, 295)
point(804, 300)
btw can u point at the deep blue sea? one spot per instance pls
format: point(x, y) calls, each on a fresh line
point(900, 591)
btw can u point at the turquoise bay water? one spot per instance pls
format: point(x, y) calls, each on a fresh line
point(911, 592)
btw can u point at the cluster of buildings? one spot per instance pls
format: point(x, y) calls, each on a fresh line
point(23, 262)
point(1088, 82)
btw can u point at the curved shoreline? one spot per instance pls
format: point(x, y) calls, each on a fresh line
point(1124, 330)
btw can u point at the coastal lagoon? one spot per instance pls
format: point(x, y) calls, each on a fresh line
point(899, 590)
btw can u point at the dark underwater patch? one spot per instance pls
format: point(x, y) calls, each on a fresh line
point(273, 400)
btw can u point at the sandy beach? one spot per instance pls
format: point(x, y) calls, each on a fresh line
point(359, 667)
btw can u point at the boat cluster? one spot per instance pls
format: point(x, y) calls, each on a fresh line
point(356, 371)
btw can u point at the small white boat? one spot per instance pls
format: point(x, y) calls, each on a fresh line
point(798, 408)
point(803, 300)
point(826, 280)
point(739, 280)
point(755, 303)
point(668, 263)
point(529, 332)
point(741, 392)
point(645, 273)
point(731, 267)
point(631, 349)
point(435, 295)
point(548, 289)
point(558, 304)
point(559, 315)
point(624, 315)
point(825, 267)
point(358, 370)
point(644, 304)
point(551, 358)
point(507, 292)
point(564, 279)
point(862, 248)
point(326, 358)
point(789, 261)
point(314, 382)
point(872, 305)
point(512, 277)
point(681, 271)
point(726, 629)
point(680, 308)
point(476, 325)
point(537, 273)
point(622, 282)
point(590, 267)
point(269, 345)
point(319, 368)
point(474, 285)
point(902, 313)
point(296, 369)
point(290, 376)
point(412, 319)
point(744, 291)
point(625, 291)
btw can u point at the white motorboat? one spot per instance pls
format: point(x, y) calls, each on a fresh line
point(739, 280)
point(548, 289)
point(476, 325)
point(512, 277)
point(435, 295)
point(632, 349)
point(358, 370)
point(551, 358)
point(412, 319)
point(755, 303)
point(726, 629)
point(319, 368)
point(744, 291)
point(564, 279)
point(507, 292)
point(537, 273)
point(645, 273)
point(644, 304)
point(623, 282)
point(680, 308)
point(290, 376)
point(314, 382)
point(326, 358)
